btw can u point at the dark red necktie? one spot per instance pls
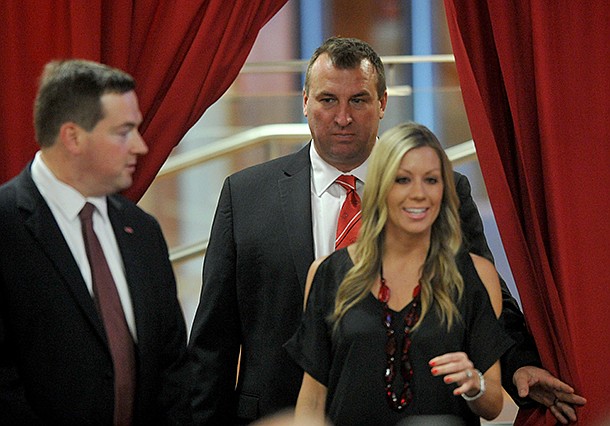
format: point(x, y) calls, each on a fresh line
point(110, 309)
point(348, 224)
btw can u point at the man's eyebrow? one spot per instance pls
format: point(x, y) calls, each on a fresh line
point(355, 95)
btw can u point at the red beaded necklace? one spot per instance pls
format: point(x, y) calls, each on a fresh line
point(406, 368)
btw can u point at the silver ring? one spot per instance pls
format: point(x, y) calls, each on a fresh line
point(469, 374)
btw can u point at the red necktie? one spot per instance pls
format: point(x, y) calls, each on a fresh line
point(111, 311)
point(349, 217)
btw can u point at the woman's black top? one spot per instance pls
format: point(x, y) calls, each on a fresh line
point(352, 361)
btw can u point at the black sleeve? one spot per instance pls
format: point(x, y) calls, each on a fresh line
point(174, 393)
point(524, 351)
point(14, 408)
point(215, 337)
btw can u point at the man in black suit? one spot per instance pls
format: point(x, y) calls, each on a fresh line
point(273, 219)
point(58, 353)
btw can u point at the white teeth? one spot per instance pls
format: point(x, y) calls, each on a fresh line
point(416, 211)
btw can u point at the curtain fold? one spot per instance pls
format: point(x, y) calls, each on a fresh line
point(534, 78)
point(183, 55)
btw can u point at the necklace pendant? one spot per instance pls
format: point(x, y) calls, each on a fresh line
point(384, 292)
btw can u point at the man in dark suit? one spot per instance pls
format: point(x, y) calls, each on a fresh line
point(59, 318)
point(273, 219)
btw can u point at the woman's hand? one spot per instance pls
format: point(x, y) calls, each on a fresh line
point(457, 368)
point(484, 396)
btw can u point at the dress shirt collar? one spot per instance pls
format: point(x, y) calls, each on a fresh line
point(324, 175)
point(66, 200)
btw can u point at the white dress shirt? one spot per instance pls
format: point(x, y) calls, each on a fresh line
point(66, 203)
point(326, 200)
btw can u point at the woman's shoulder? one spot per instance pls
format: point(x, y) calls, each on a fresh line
point(328, 271)
point(480, 274)
point(482, 265)
point(466, 264)
point(471, 264)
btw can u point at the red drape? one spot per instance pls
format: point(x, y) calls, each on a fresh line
point(184, 55)
point(534, 77)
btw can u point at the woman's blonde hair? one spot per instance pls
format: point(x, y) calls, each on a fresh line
point(440, 280)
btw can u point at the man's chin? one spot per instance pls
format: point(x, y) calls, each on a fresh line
point(124, 184)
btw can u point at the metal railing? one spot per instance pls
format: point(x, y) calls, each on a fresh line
point(232, 144)
point(285, 133)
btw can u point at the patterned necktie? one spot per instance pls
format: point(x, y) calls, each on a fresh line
point(111, 311)
point(348, 224)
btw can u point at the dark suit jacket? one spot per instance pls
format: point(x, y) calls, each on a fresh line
point(55, 365)
point(259, 252)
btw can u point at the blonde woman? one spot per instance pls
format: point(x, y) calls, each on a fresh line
point(403, 324)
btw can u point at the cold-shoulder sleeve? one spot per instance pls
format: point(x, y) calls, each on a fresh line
point(486, 339)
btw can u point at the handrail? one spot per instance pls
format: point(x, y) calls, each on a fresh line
point(456, 154)
point(188, 251)
point(461, 153)
point(246, 139)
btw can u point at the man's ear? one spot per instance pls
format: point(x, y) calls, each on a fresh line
point(382, 105)
point(71, 136)
point(305, 100)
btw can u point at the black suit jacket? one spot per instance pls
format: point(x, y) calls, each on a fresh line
point(259, 252)
point(55, 365)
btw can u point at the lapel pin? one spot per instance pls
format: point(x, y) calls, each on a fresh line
point(128, 229)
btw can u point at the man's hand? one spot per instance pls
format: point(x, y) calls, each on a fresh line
point(549, 391)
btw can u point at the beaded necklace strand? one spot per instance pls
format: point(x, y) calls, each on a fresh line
point(406, 368)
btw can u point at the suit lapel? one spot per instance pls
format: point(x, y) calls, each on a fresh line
point(39, 221)
point(295, 198)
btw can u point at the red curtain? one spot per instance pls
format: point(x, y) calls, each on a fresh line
point(184, 55)
point(535, 81)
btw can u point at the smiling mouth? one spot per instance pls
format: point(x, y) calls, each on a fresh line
point(416, 211)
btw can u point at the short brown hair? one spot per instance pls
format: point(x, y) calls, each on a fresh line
point(70, 90)
point(348, 53)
